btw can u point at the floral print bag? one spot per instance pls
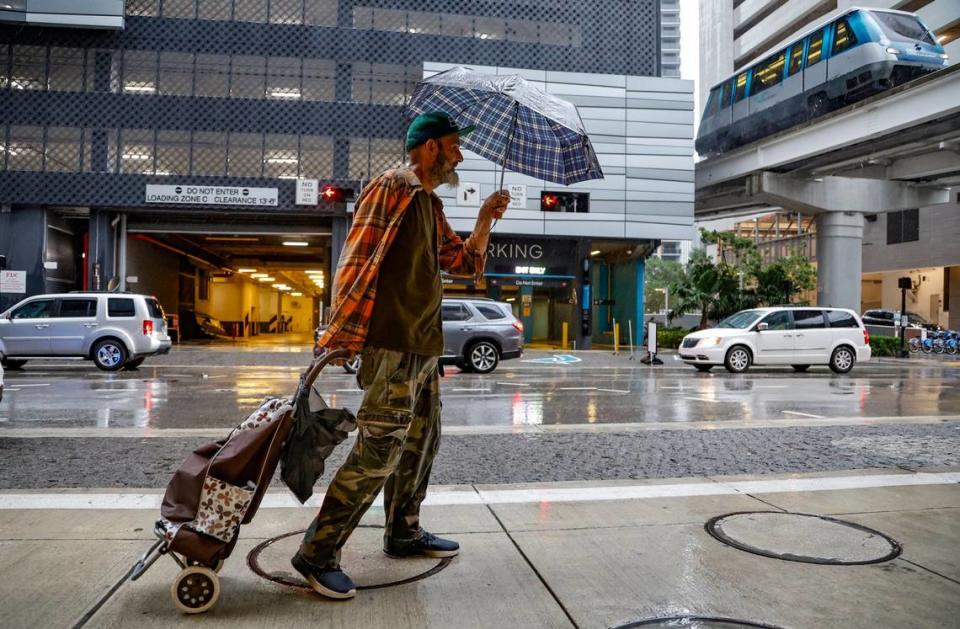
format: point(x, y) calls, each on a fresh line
point(222, 507)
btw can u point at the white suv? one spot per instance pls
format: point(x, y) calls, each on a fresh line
point(794, 336)
point(114, 330)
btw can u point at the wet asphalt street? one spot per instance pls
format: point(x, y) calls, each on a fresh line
point(601, 390)
point(549, 416)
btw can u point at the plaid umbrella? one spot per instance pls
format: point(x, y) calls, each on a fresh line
point(518, 125)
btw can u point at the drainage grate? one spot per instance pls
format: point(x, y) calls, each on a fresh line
point(803, 537)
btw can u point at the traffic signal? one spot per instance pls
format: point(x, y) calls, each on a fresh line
point(549, 201)
point(564, 201)
point(335, 194)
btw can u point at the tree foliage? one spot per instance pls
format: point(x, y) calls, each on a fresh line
point(718, 289)
point(659, 276)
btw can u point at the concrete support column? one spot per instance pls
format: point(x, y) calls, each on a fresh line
point(839, 259)
point(122, 255)
point(23, 239)
point(100, 262)
point(338, 236)
point(603, 322)
point(640, 278)
point(583, 325)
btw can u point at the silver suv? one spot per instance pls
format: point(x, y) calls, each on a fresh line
point(114, 330)
point(478, 333)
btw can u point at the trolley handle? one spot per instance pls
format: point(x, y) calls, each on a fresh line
point(310, 375)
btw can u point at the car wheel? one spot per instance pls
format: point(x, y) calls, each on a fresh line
point(800, 368)
point(737, 360)
point(133, 364)
point(109, 354)
point(482, 357)
point(13, 364)
point(842, 359)
point(703, 368)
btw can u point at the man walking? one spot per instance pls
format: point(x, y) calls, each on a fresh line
point(387, 306)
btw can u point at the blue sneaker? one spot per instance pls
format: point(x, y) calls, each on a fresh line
point(427, 545)
point(330, 582)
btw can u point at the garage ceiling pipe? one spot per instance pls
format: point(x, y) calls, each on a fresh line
point(163, 245)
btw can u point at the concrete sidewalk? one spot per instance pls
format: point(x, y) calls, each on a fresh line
point(556, 555)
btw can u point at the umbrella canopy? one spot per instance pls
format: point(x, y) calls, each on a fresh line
point(519, 126)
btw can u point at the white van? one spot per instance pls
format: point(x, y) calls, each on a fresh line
point(796, 336)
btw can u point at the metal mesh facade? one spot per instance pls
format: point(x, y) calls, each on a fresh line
point(216, 91)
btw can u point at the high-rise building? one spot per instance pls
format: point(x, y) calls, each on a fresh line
point(175, 146)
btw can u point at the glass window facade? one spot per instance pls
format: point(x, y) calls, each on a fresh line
point(271, 89)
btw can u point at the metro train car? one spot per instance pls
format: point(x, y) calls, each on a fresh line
point(841, 60)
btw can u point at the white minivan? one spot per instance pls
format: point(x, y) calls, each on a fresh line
point(796, 336)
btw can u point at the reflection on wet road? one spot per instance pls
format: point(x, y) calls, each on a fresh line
point(176, 397)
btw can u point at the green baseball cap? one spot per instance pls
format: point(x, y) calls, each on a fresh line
point(432, 125)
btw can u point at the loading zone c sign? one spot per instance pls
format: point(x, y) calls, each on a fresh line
point(211, 195)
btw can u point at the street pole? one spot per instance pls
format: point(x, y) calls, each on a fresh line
point(666, 303)
point(904, 283)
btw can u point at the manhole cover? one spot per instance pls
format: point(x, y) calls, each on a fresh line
point(362, 559)
point(803, 537)
point(696, 622)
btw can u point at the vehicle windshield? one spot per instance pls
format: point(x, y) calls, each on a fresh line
point(915, 318)
point(903, 27)
point(741, 320)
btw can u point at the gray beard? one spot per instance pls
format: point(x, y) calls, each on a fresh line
point(451, 178)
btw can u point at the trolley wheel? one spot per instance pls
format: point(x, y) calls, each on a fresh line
point(195, 590)
point(215, 566)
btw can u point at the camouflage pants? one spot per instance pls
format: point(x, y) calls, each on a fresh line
point(398, 437)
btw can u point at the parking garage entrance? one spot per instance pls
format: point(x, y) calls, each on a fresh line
point(231, 280)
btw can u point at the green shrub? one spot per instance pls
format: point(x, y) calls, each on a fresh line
point(884, 345)
point(670, 338)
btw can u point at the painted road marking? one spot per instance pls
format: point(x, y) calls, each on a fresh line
point(576, 388)
point(803, 414)
point(701, 399)
point(469, 495)
point(513, 384)
point(24, 386)
point(613, 390)
point(556, 359)
point(473, 390)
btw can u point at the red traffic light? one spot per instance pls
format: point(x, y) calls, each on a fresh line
point(549, 201)
point(329, 192)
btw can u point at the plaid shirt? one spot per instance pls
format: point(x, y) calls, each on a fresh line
point(377, 216)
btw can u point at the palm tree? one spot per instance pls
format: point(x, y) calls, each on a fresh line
point(713, 289)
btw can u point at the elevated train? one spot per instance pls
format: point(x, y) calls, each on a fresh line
point(851, 56)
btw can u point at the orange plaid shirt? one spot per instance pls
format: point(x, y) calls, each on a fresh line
point(377, 216)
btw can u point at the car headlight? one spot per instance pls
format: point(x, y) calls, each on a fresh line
point(893, 51)
point(717, 340)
